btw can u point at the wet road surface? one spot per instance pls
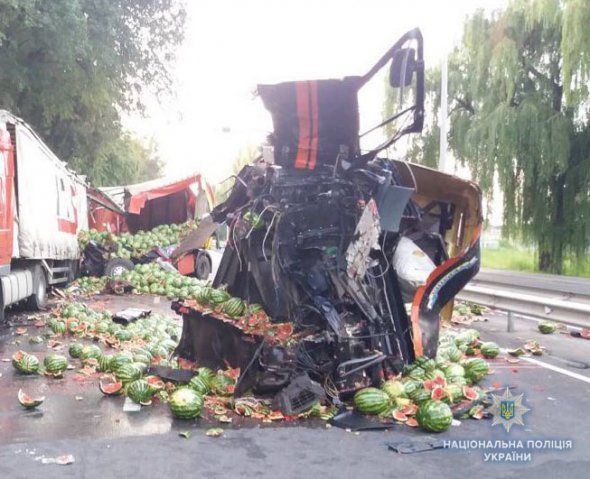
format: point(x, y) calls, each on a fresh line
point(108, 442)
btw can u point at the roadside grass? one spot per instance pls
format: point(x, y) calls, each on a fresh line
point(515, 258)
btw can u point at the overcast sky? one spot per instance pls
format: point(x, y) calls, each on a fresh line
point(232, 45)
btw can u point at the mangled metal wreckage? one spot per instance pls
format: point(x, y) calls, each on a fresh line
point(325, 238)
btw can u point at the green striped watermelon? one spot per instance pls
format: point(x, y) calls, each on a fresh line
point(90, 351)
point(123, 335)
point(139, 391)
point(55, 364)
point(218, 296)
point(200, 384)
point(185, 403)
point(393, 388)
point(489, 349)
point(434, 416)
point(204, 295)
point(372, 401)
point(234, 307)
point(25, 363)
point(475, 369)
point(59, 327)
point(104, 362)
point(128, 372)
point(119, 360)
point(75, 350)
point(420, 395)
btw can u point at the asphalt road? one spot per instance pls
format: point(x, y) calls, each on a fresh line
point(108, 442)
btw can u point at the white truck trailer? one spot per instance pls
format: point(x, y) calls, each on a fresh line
point(43, 206)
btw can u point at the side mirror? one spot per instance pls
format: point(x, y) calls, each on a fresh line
point(403, 67)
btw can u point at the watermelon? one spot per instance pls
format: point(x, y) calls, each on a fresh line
point(453, 370)
point(119, 360)
point(399, 415)
point(123, 335)
point(371, 401)
point(128, 372)
point(73, 326)
point(101, 327)
point(218, 296)
point(254, 308)
point(104, 363)
point(437, 394)
point(433, 374)
point(204, 295)
point(234, 307)
point(420, 395)
point(454, 354)
point(55, 364)
point(393, 388)
point(434, 416)
point(222, 385)
point(402, 401)
point(458, 380)
point(429, 365)
point(155, 383)
point(59, 327)
point(36, 339)
point(111, 389)
point(200, 384)
point(29, 402)
point(25, 363)
point(90, 351)
point(453, 392)
point(185, 403)
point(475, 369)
point(206, 373)
point(417, 373)
point(139, 391)
point(411, 385)
point(468, 336)
point(75, 350)
point(470, 393)
point(489, 349)
point(547, 327)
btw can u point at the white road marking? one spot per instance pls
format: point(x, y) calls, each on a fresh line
point(557, 369)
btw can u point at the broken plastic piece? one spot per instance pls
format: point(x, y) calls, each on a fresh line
point(410, 447)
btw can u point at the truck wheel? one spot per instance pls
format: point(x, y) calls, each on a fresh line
point(203, 267)
point(37, 300)
point(117, 266)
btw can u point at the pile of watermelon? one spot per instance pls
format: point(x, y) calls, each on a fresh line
point(427, 391)
point(136, 245)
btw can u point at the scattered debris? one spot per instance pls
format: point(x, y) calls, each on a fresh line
point(60, 460)
point(214, 432)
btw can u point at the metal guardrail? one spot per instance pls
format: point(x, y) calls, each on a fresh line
point(557, 298)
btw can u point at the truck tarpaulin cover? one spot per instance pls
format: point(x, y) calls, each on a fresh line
point(163, 201)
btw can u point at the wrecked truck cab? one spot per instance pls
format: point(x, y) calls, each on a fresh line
point(312, 243)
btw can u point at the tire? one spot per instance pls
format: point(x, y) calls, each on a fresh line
point(117, 266)
point(203, 267)
point(37, 300)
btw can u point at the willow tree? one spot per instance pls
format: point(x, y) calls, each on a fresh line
point(520, 112)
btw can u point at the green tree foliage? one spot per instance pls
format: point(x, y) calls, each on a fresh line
point(71, 67)
point(244, 157)
point(518, 101)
